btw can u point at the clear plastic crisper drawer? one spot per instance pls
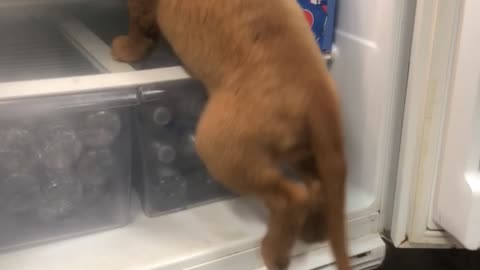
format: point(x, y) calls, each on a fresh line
point(170, 174)
point(65, 166)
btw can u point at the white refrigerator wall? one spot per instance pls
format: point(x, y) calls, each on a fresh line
point(373, 41)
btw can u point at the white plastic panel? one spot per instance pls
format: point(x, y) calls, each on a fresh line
point(370, 70)
point(457, 205)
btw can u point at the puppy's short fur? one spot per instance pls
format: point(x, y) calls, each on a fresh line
point(271, 101)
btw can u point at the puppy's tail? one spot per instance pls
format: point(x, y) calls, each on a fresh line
point(327, 142)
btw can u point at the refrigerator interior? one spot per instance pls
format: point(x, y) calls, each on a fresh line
point(369, 63)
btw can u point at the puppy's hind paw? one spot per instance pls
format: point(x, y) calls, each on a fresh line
point(314, 230)
point(273, 260)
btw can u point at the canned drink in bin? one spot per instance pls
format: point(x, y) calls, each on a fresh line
point(320, 14)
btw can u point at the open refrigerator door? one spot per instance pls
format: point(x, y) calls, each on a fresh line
point(437, 197)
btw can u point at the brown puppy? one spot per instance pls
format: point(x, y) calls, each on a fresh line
point(271, 101)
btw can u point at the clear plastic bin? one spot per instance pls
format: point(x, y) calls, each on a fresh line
point(65, 166)
point(169, 174)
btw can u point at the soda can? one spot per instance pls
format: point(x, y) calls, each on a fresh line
point(320, 14)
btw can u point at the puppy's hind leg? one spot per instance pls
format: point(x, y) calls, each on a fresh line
point(287, 202)
point(330, 161)
point(137, 44)
point(254, 173)
point(287, 205)
point(240, 159)
point(314, 229)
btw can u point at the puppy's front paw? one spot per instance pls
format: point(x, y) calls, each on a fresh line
point(125, 49)
point(273, 258)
